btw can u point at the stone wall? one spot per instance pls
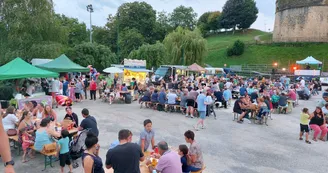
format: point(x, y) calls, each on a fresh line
point(305, 24)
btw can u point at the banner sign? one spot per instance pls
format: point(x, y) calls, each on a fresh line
point(46, 100)
point(134, 63)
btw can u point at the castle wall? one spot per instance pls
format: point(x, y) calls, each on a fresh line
point(306, 24)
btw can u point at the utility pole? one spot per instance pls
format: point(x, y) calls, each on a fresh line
point(118, 37)
point(90, 9)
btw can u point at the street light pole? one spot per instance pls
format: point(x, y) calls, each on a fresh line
point(90, 9)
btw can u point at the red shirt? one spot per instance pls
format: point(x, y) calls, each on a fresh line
point(93, 85)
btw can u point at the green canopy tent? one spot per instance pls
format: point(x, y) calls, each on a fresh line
point(63, 64)
point(18, 68)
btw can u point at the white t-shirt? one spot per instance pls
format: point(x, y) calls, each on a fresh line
point(55, 85)
point(228, 85)
point(209, 99)
point(171, 98)
point(30, 90)
point(9, 122)
point(302, 83)
point(147, 80)
point(153, 78)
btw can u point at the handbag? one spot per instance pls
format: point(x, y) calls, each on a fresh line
point(11, 132)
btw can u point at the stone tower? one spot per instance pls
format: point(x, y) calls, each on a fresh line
point(301, 21)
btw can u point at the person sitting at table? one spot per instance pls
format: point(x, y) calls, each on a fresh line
point(282, 103)
point(154, 96)
point(171, 97)
point(49, 113)
point(242, 90)
point(307, 93)
point(292, 95)
point(275, 99)
point(325, 109)
point(89, 122)
point(26, 123)
point(162, 99)
point(44, 134)
point(240, 107)
point(146, 97)
point(195, 152)
point(9, 119)
point(70, 115)
point(126, 156)
point(264, 109)
point(183, 100)
point(168, 161)
point(219, 98)
point(185, 158)
point(254, 95)
point(38, 111)
point(91, 161)
point(318, 123)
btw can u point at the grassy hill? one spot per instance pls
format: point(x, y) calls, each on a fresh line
point(284, 54)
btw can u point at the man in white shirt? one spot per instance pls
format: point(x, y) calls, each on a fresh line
point(302, 82)
point(171, 98)
point(228, 85)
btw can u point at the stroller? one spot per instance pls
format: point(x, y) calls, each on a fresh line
point(77, 147)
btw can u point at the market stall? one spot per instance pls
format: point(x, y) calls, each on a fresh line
point(19, 69)
point(308, 71)
point(63, 64)
point(133, 69)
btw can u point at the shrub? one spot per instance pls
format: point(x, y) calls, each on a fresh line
point(237, 49)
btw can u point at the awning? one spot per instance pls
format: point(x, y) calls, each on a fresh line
point(309, 60)
point(138, 69)
point(63, 64)
point(113, 70)
point(18, 69)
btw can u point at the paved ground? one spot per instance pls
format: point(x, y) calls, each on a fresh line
point(227, 146)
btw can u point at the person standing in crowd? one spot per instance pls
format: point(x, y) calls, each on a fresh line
point(5, 149)
point(195, 152)
point(55, 87)
point(227, 96)
point(304, 125)
point(135, 89)
point(147, 136)
point(169, 161)
point(70, 115)
point(92, 163)
point(126, 156)
point(65, 87)
point(93, 90)
point(89, 122)
point(77, 90)
point(63, 149)
point(201, 107)
point(162, 99)
point(85, 86)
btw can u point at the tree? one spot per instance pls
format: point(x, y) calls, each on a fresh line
point(209, 21)
point(28, 24)
point(237, 49)
point(239, 14)
point(185, 47)
point(162, 26)
point(137, 15)
point(129, 40)
point(77, 32)
point(99, 56)
point(154, 54)
point(184, 17)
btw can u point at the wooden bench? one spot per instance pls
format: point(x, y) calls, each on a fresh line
point(200, 171)
point(49, 151)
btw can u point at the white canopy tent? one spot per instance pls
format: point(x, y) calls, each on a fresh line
point(113, 70)
point(309, 60)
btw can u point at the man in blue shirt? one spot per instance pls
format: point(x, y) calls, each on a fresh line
point(65, 87)
point(161, 99)
point(201, 102)
point(242, 91)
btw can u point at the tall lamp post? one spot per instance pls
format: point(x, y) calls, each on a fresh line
point(90, 9)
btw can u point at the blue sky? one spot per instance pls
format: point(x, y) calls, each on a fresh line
point(77, 9)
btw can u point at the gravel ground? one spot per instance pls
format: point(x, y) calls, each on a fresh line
point(227, 146)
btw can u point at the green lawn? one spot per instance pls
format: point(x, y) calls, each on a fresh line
point(260, 54)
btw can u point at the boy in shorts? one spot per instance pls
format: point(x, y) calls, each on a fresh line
point(305, 118)
point(63, 147)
